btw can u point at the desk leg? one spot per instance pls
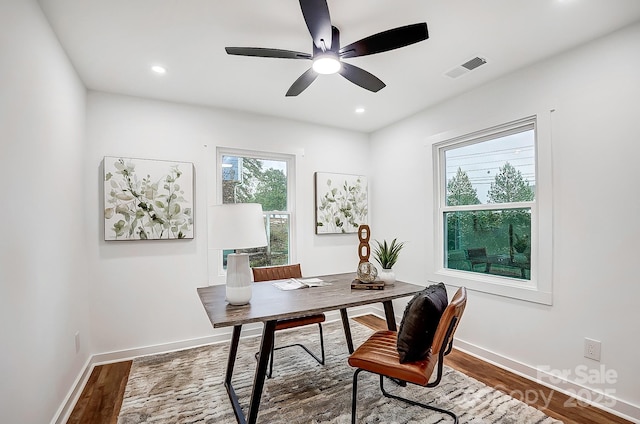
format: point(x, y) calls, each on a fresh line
point(389, 315)
point(347, 329)
point(261, 370)
point(391, 325)
point(233, 350)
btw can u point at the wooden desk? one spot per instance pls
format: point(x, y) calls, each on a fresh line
point(269, 304)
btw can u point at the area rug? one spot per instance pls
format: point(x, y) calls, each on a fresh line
point(187, 387)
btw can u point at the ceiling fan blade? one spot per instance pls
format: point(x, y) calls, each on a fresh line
point(361, 77)
point(386, 40)
point(262, 52)
point(302, 82)
point(316, 15)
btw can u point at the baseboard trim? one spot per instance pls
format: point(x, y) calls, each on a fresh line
point(577, 391)
point(220, 336)
point(64, 411)
point(620, 407)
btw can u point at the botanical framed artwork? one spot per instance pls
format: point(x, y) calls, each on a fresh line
point(147, 199)
point(342, 203)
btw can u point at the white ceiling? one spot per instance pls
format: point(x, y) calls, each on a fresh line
point(113, 43)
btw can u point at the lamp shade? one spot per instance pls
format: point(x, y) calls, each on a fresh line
point(237, 226)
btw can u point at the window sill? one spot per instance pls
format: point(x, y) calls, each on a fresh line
point(526, 290)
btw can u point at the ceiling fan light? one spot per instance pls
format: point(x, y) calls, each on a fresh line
point(326, 64)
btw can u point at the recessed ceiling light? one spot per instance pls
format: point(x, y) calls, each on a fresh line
point(359, 110)
point(159, 69)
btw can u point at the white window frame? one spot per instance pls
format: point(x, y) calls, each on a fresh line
point(290, 159)
point(539, 288)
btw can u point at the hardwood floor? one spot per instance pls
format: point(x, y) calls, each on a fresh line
point(101, 398)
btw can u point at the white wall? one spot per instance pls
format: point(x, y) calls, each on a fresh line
point(43, 296)
point(596, 93)
point(144, 293)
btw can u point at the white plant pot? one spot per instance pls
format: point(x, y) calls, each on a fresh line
point(387, 275)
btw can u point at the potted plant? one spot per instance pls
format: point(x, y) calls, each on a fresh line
point(386, 254)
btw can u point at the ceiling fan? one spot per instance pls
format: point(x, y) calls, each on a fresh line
point(327, 54)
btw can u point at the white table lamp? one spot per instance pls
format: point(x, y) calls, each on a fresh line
point(238, 226)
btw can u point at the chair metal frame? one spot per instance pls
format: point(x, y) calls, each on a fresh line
point(444, 349)
point(283, 272)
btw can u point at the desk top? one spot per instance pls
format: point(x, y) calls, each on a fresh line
point(270, 303)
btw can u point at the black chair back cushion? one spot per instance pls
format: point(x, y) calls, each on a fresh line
point(419, 322)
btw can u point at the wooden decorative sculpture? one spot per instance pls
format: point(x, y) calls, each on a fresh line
point(367, 272)
point(364, 250)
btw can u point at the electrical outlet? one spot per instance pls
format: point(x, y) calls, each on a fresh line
point(77, 341)
point(592, 349)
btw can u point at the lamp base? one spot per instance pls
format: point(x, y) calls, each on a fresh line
point(238, 279)
point(238, 295)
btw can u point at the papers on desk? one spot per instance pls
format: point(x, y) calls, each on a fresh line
point(300, 283)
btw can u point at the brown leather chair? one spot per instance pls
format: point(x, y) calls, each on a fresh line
point(379, 355)
point(280, 273)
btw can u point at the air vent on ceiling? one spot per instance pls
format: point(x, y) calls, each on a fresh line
point(469, 65)
point(474, 63)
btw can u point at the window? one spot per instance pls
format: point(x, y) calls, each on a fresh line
point(251, 177)
point(487, 209)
